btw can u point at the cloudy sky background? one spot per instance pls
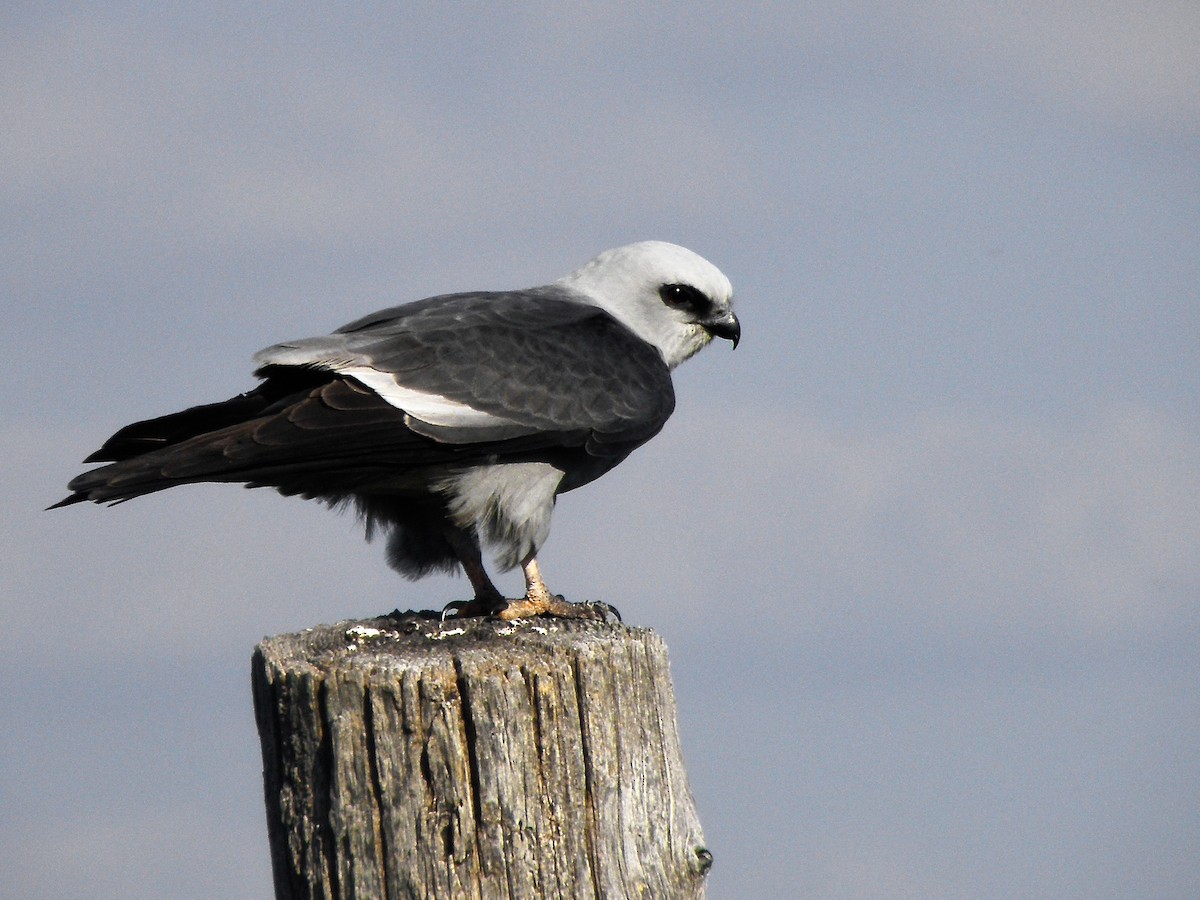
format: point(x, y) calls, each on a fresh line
point(926, 548)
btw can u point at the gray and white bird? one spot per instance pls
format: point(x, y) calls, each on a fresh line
point(455, 421)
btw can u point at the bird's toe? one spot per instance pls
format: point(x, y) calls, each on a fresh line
point(554, 606)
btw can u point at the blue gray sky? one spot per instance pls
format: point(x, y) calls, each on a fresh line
point(926, 548)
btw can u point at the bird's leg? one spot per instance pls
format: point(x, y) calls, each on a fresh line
point(488, 601)
point(488, 598)
point(539, 601)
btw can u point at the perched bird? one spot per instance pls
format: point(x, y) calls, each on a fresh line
point(452, 421)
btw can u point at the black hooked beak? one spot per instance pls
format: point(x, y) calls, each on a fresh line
point(727, 327)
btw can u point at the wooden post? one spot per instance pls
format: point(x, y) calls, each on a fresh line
point(404, 757)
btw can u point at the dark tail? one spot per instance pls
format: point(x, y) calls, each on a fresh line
point(136, 463)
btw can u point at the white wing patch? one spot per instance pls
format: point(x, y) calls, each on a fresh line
point(431, 408)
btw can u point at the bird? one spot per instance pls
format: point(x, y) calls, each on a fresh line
point(451, 424)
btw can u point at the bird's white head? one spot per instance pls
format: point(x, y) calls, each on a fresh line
point(666, 294)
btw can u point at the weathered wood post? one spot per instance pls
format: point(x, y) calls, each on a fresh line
point(405, 757)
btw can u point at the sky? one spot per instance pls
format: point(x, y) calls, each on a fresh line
point(925, 548)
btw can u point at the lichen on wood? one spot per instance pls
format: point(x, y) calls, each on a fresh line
point(405, 757)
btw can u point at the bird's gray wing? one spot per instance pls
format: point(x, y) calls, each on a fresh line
point(454, 380)
point(529, 367)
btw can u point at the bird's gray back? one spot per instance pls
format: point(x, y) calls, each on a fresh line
point(538, 358)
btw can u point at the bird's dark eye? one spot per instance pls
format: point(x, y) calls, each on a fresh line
point(684, 296)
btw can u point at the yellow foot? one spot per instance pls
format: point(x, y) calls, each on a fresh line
point(548, 605)
point(527, 607)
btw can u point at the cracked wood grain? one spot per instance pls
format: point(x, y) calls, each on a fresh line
point(407, 758)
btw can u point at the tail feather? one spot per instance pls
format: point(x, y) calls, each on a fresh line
point(164, 431)
point(154, 434)
point(307, 433)
point(134, 453)
point(140, 464)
